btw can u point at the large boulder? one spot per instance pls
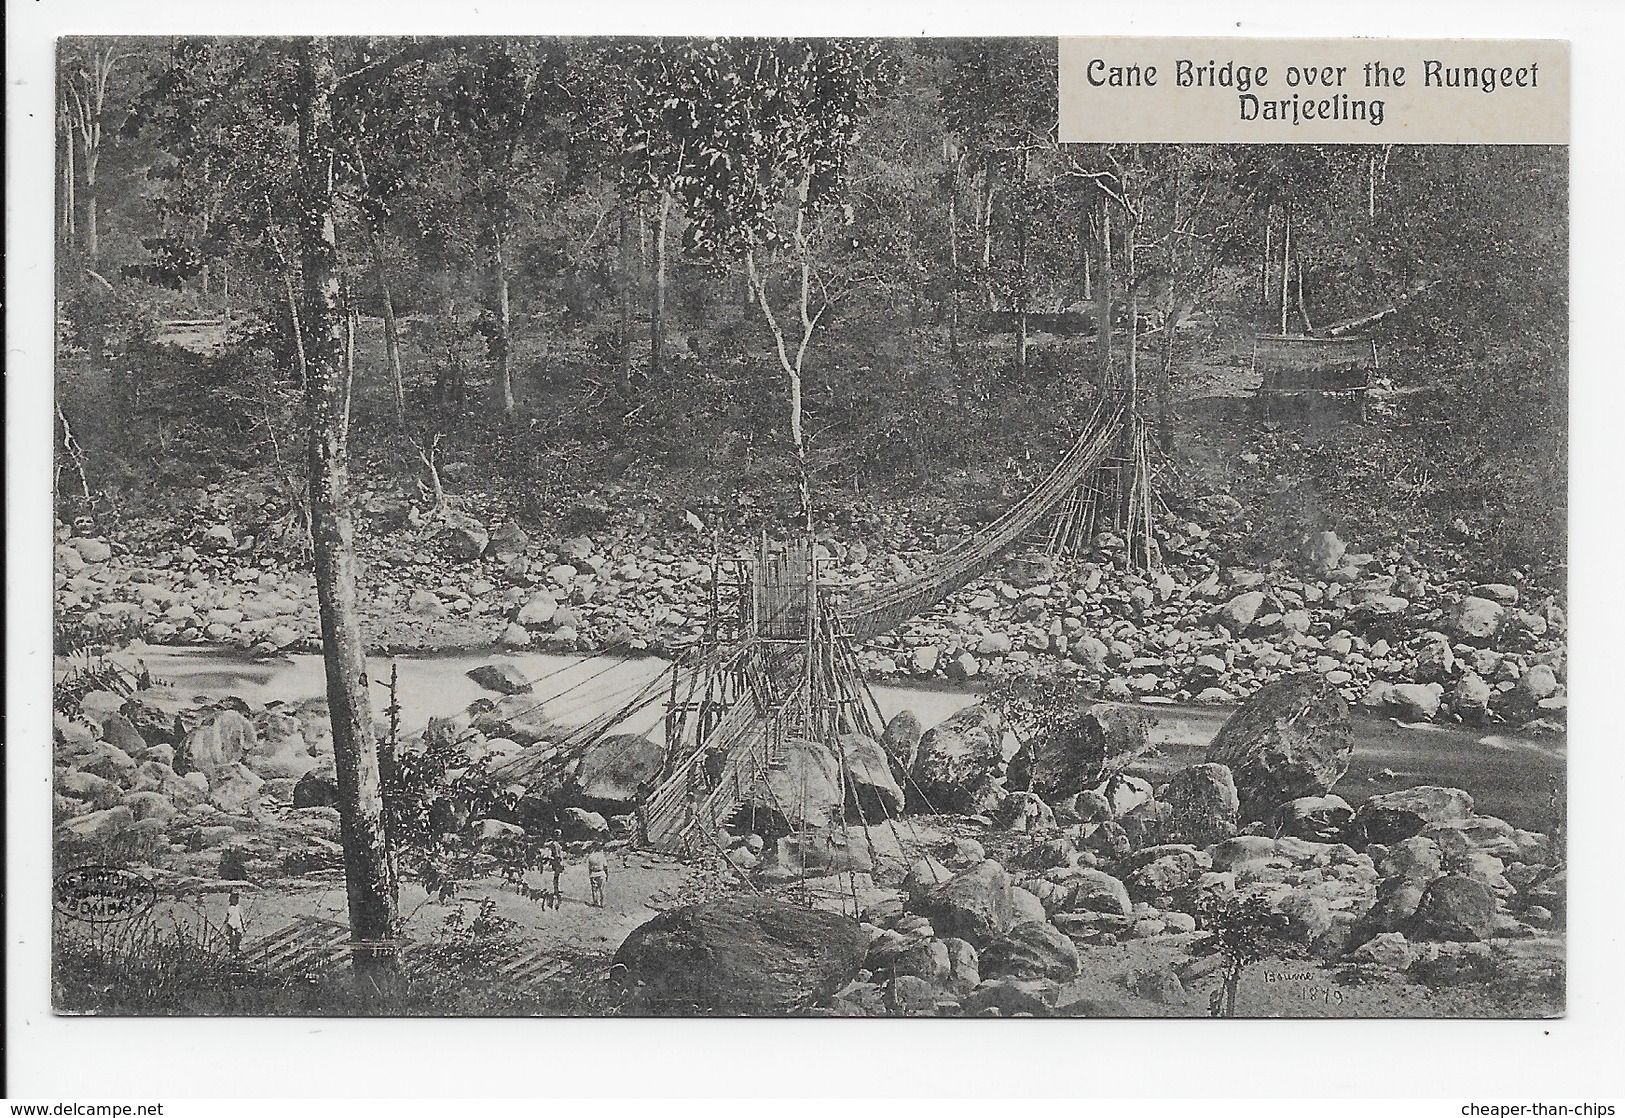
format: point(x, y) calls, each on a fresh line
point(160, 715)
point(803, 788)
point(507, 543)
point(519, 718)
point(924, 875)
point(580, 825)
point(955, 757)
point(815, 854)
point(235, 788)
point(1032, 949)
point(1455, 907)
point(97, 826)
point(1293, 738)
point(974, 904)
point(464, 537)
point(1098, 891)
point(224, 740)
point(616, 772)
point(538, 610)
point(1418, 860)
point(1204, 804)
point(88, 788)
point(875, 789)
point(749, 956)
point(281, 751)
point(1394, 816)
point(1416, 702)
point(1477, 619)
point(1160, 870)
point(117, 730)
point(1026, 571)
point(901, 737)
point(1314, 818)
point(1071, 760)
point(316, 790)
point(503, 678)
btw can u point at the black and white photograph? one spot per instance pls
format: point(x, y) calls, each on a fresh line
point(760, 527)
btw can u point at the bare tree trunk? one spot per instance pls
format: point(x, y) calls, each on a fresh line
point(1286, 267)
point(392, 340)
point(987, 237)
point(1165, 385)
point(625, 245)
point(950, 156)
point(1103, 296)
point(1022, 219)
point(1086, 231)
point(294, 320)
point(89, 96)
point(1303, 311)
point(93, 244)
point(69, 182)
point(657, 310)
point(369, 868)
point(1133, 324)
point(504, 355)
point(1021, 298)
point(792, 365)
point(1264, 262)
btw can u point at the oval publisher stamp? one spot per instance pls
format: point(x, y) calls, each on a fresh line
point(102, 894)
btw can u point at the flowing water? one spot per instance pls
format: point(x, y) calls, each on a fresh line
point(1509, 775)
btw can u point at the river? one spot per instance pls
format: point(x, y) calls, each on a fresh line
point(1510, 776)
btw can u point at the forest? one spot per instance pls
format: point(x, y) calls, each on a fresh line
point(561, 261)
point(389, 347)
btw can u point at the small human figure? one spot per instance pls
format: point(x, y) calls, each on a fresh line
point(553, 855)
point(235, 927)
point(597, 873)
point(1032, 813)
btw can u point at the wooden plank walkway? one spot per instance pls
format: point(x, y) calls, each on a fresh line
point(315, 945)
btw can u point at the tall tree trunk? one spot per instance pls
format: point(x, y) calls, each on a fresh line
point(953, 256)
point(987, 238)
point(69, 183)
point(1165, 385)
point(93, 244)
point(1286, 267)
point(392, 340)
point(1022, 219)
point(1133, 322)
point(1021, 303)
point(1103, 297)
point(504, 378)
point(626, 247)
point(1303, 311)
point(1264, 262)
point(657, 309)
point(1086, 232)
point(369, 869)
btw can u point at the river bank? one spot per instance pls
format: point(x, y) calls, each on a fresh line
point(1394, 634)
point(1509, 772)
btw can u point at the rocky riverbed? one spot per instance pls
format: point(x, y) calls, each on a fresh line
point(1389, 631)
point(985, 875)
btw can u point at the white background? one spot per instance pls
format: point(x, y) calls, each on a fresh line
point(1579, 1056)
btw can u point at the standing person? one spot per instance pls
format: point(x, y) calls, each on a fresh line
point(234, 923)
point(597, 873)
point(553, 855)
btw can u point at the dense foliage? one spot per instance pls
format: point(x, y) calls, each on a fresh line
point(563, 259)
